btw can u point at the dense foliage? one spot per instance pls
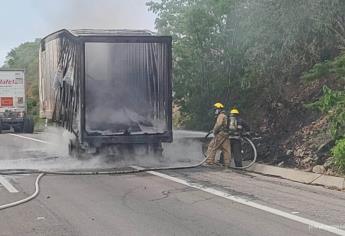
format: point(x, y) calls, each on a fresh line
point(25, 56)
point(235, 51)
point(333, 103)
point(339, 154)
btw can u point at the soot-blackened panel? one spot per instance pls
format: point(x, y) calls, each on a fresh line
point(126, 88)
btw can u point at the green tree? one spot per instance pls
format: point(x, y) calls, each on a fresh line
point(203, 53)
point(25, 56)
point(235, 50)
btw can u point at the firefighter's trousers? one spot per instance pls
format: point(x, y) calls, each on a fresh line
point(220, 142)
point(236, 151)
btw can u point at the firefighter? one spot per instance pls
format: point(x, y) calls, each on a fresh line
point(221, 137)
point(236, 127)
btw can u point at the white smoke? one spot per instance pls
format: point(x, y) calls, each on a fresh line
point(104, 14)
point(185, 150)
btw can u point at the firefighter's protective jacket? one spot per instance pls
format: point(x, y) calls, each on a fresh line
point(220, 141)
point(221, 124)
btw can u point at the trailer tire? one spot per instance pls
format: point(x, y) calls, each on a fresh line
point(72, 149)
point(76, 151)
point(28, 126)
point(0, 127)
point(17, 130)
point(158, 152)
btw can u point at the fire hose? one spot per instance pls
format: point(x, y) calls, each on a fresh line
point(78, 172)
point(244, 137)
point(109, 171)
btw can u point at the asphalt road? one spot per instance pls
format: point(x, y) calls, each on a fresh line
point(180, 202)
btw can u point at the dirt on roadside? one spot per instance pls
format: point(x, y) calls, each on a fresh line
point(294, 135)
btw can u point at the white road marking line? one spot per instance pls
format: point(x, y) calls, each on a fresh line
point(32, 139)
point(4, 182)
point(311, 223)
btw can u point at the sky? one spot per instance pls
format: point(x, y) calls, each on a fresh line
point(26, 20)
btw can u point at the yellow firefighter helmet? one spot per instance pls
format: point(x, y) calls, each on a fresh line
point(234, 111)
point(218, 105)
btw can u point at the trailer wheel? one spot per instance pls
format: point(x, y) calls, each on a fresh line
point(0, 127)
point(76, 151)
point(28, 126)
point(17, 130)
point(157, 151)
point(73, 148)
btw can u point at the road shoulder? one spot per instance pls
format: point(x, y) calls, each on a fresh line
point(300, 176)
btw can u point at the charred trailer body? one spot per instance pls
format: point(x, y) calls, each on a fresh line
point(111, 88)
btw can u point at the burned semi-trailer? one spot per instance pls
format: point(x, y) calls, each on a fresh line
point(111, 88)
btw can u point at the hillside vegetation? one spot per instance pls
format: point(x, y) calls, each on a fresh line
point(332, 104)
point(255, 55)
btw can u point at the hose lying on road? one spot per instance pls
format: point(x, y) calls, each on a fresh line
point(78, 172)
point(95, 172)
point(252, 145)
point(34, 195)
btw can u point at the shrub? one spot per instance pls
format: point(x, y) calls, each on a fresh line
point(338, 152)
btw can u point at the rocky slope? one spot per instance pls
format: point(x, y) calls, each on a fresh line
point(294, 135)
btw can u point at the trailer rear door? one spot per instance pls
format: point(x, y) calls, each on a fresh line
point(12, 91)
point(127, 88)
